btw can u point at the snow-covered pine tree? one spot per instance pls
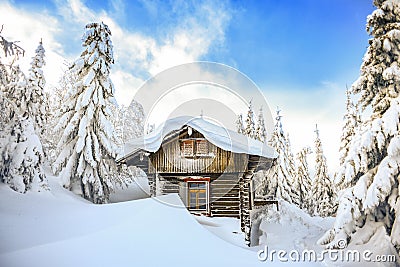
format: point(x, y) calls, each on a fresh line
point(3, 82)
point(35, 97)
point(9, 73)
point(261, 132)
point(5, 104)
point(250, 129)
point(371, 203)
point(278, 180)
point(87, 149)
point(4, 101)
point(302, 181)
point(322, 192)
point(290, 158)
point(349, 127)
point(20, 148)
point(129, 122)
point(22, 157)
point(14, 93)
point(239, 124)
point(351, 121)
point(55, 97)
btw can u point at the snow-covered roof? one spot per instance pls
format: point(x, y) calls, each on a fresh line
point(219, 136)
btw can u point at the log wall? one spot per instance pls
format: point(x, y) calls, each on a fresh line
point(168, 159)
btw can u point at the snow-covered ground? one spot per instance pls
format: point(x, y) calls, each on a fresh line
point(58, 228)
point(136, 189)
point(287, 229)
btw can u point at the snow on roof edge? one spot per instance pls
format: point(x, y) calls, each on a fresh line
point(218, 135)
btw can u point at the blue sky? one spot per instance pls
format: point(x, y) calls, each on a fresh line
point(301, 53)
point(299, 42)
point(275, 42)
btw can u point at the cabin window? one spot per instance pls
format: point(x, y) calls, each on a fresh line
point(201, 147)
point(195, 148)
point(187, 148)
point(197, 196)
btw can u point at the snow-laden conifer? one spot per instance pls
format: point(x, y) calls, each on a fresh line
point(36, 103)
point(302, 180)
point(22, 157)
point(351, 121)
point(322, 190)
point(21, 153)
point(250, 129)
point(290, 158)
point(261, 132)
point(87, 148)
point(278, 180)
point(371, 169)
point(56, 109)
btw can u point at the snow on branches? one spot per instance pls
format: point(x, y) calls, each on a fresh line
point(21, 150)
point(302, 180)
point(35, 97)
point(371, 169)
point(250, 128)
point(322, 191)
point(22, 157)
point(87, 145)
point(279, 178)
point(10, 48)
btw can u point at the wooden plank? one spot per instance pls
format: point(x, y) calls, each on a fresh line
point(226, 202)
point(225, 207)
point(235, 196)
point(223, 198)
point(225, 186)
point(224, 161)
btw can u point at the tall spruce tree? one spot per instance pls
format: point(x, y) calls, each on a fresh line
point(56, 106)
point(35, 97)
point(4, 103)
point(278, 180)
point(349, 127)
point(290, 158)
point(250, 129)
point(261, 132)
point(351, 121)
point(88, 152)
point(21, 153)
point(10, 53)
point(22, 157)
point(371, 202)
point(302, 181)
point(322, 191)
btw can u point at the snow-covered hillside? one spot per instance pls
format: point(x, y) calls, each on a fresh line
point(58, 228)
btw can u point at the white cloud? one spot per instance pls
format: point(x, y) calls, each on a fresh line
point(193, 37)
point(137, 56)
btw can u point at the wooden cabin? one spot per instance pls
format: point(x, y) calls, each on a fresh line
point(209, 167)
